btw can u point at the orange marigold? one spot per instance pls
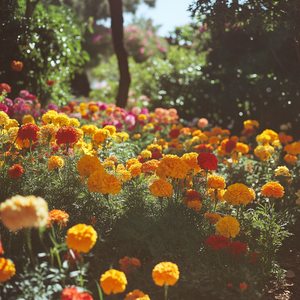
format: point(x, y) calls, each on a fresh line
point(213, 218)
point(191, 160)
point(131, 162)
point(127, 264)
point(57, 216)
point(7, 269)
point(150, 166)
point(88, 164)
point(272, 189)
point(165, 273)
point(293, 149)
point(216, 182)
point(135, 170)
point(228, 227)
point(290, 158)
point(136, 295)
point(161, 188)
point(55, 162)
point(113, 281)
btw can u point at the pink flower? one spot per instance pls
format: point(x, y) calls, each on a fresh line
point(142, 50)
point(96, 38)
point(202, 123)
point(202, 29)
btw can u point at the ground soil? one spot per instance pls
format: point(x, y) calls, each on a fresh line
point(289, 260)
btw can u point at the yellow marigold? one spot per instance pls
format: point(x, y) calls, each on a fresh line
point(262, 152)
point(28, 119)
point(120, 167)
point(203, 137)
point(272, 189)
point(293, 149)
point(136, 136)
point(146, 154)
point(252, 192)
point(101, 135)
point(113, 281)
point(22, 143)
point(263, 139)
point(153, 147)
point(104, 183)
point(113, 159)
point(7, 269)
point(165, 273)
point(191, 160)
point(48, 132)
point(81, 238)
point(195, 204)
point(109, 111)
point(213, 140)
point(112, 129)
point(93, 108)
point(131, 161)
point(241, 147)
point(196, 132)
point(282, 171)
point(55, 162)
point(272, 134)
point(228, 227)
point(121, 136)
point(24, 212)
point(290, 158)
point(11, 123)
point(237, 193)
point(161, 188)
point(74, 122)
point(89, 129)
point(210, 193)
point(136, 295)
point(4, 119)
point(216, 182)
point(216, 130)
point(142, 117)
point(87, 165)
point(61, 120)
point(124, 175)
point(135, 170)
point(250, 123)
point(172, 166)
point(213, 218)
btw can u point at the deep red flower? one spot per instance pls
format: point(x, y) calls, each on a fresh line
point(174, 133)
point(253, 257)
point(29, 131)
point(16, 171)
point(141, 159)
point(6, 87)
point(243, 286)
point(72, 258)
point(194, 194)
point(1, 248)
point(207, 161)
point(205, 148)
point(156, 155)
point(50, 82)
point(71, 293)
point(156, 128)
point(230, 145)
point(237, 248)
point(249, 131)
point(66, 134)
point(217, 241)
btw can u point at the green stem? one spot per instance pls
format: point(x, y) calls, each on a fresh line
point(166, 291)
point(27, 233)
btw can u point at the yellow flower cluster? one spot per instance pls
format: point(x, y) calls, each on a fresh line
point(87, 165)
point(4, 119)
point(165, 273)
point(191, 160)
point(7, 269)
point(238, 193)
point(263, 152)
point(136, 295)
point(101, 135)
point(55, 162)
point(24, 212)
point(250, 123)
point(113, 281)
point(49, 116)
point(161, 188)
point(216, 182)
point(228, 227)
point(89, 129)
point(81, 238)
point(135, 169)
point(172, 166)
point(282, 171)
point(146, 154)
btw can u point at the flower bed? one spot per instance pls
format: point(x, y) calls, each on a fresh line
point(157, 211)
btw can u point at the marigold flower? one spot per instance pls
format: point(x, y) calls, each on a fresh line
point(236, 248)
point(112, 129)
point(127, 264)
point(101, 135)
point(293, 149)
point(135, 170)
point(213, 218)
point(71, 293)
point(229, 146)
point(250, 123)
point(290, 158)
point(272, 189)
point(57, 216)
point(217, 241)
point(81, 238)
point(241, 147)
point(89, 129)
point(213, 140)
point(285, 139)
point(228, 227)
point(124, 175)
point(55, 162)
point(16, 66)
point(165, 273)
point(25, 212)
point(113, 281)
point(66, 134)
point(136, 295)
point(282, 171)
point(161, 188)
point(88, 164)
point(195, 204)
point(243, 286)
point(174, 133)
point(146, 154)
point(191, 160)
point(16, 171)
point(49, 116)
point(216, 182)
point(28, 119)
point(7, 269)
point(207, 161)
point(238, 193)
point(172, 166)
point(61, 120)
point(74, 122)
point(149, 167)
point(29, 131)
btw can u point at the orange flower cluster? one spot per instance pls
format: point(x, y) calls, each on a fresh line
point(272, 189)
point(161, 188)
point(193, 200)
point(213, 218)
point(216, 182)
point(165, 273)
point(129, 264)
point(57, 216)
point(113, 281)
point(238, 193)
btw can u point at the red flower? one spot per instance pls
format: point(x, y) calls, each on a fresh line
point(174, 133)
point(16, 171)
point(243, 286)
point(71, 293)
point(1, 248)
point(194, 194)
point(129, 264)
point(237, 248)
point(217, 241)
point(229, 285)
point(72, 258)
point(230, 145)
point(253, 257)
point(50, 82)
point(4, 87)
point(156, 128)
point(66, 134)
point(207, 161)
point(249, 131)
point(156, 155)
point(29, 131)
point(204, 148)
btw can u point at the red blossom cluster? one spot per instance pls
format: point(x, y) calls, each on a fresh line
point(207, 161)
point(66, 134)
point(29, 131)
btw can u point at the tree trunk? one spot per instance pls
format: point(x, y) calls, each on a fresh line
point(116, 12)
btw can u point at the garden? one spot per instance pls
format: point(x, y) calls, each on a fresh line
point(175, 177)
